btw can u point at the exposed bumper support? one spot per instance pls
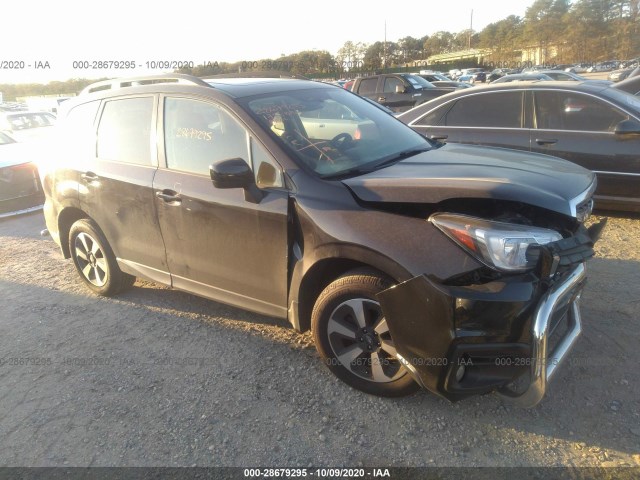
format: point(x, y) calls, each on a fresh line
point(545, 365)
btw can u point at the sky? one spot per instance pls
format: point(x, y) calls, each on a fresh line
point(67, 31)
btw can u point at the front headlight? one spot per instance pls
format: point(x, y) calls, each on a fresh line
point(496, 244)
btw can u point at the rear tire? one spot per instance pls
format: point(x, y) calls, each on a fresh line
point(94, 260)
point(352, 337)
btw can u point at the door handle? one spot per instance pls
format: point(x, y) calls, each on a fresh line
point(169, 196)
point(546, 141)
point(438, 137)
point(89, 177)
point(382, 99)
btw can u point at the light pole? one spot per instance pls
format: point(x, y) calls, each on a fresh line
point(384, 47)
point(471, 29)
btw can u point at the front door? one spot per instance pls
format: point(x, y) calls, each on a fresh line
point(579, 128)
point(219, 244)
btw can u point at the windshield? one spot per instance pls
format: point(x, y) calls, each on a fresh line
point(417, 82)
point(332, 131)
point(21, 121)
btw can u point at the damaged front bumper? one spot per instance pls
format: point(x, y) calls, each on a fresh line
point(508, 335)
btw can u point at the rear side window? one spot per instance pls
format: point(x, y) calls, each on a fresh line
point(124, 133)
point(197, 134)
point(367, 86)
point(574, 111)
point(489, 110)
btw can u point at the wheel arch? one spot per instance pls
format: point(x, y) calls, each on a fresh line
point(311, 276)
point(66, 219)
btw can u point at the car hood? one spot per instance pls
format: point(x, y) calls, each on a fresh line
point(13, 154)
point(462, 171)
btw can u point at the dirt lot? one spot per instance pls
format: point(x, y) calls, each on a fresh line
point(156, 377)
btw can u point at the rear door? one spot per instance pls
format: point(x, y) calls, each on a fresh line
point(219, 244)
point(368, 87)
point(116, 184)
point(580, 128)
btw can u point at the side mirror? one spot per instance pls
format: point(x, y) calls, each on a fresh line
point(400, 89)
point(627, 127)
point(235, 173)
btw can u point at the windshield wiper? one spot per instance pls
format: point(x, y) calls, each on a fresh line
point(400, 156)
point(370, 167)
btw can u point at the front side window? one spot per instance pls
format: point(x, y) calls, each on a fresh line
point(198, 134)
point(390, 84)
point(124, 133)
point(489, 110)
point(574, 111)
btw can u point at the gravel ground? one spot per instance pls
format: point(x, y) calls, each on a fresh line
point(156, 377)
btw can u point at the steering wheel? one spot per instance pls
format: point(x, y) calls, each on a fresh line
point(341, 141)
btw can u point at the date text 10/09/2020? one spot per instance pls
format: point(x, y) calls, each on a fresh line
point(316, 472)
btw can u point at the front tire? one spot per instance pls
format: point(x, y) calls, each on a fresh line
point(352, 337)
point(94, 260)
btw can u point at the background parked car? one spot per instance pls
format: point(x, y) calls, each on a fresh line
point(523, 77)
point(438, 80)
point(451, 83)
point(562, 76)
point(594, 126)
point(397, 91)
point(620, 74)
point(478, 75)
point(20, 188)
point(603, 66)
point(433, 77)
point(565, 67)
point(26, 126)
point(580, 68)
point(630, 85)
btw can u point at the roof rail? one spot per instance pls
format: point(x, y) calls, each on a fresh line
point(259, 74)
point(143, 80)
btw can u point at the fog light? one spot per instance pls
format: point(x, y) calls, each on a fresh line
point(460, 373)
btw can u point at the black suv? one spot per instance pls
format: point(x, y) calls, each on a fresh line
point(453, 267)
point(398, 91)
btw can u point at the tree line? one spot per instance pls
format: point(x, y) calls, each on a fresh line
point(568, 32)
